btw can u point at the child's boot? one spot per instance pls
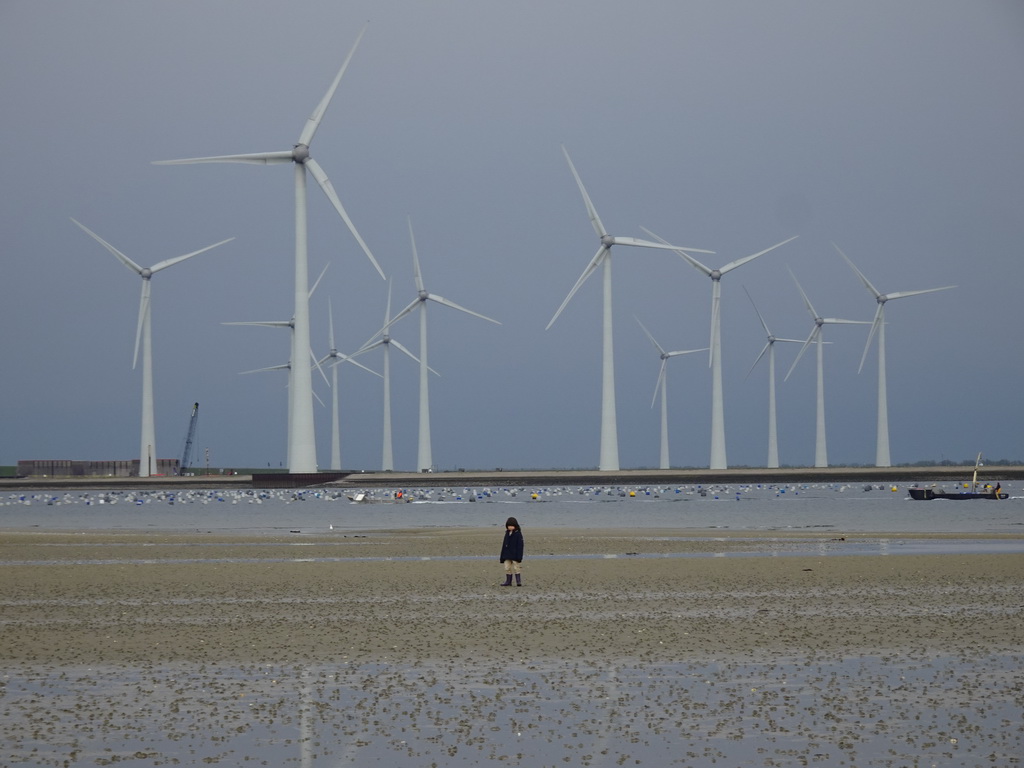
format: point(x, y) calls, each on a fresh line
point(508, 580)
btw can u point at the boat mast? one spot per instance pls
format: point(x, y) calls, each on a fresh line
point(974, 483)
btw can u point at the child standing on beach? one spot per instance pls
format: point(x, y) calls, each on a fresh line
point(512, 552)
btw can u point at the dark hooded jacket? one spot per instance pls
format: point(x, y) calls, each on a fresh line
point(512, 545)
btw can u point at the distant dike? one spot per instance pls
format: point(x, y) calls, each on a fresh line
point(528, 478)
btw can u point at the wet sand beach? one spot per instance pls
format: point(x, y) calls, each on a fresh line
point(130, 598)
point(411, 629)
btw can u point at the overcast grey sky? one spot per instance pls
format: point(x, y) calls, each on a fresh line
point(891, 129)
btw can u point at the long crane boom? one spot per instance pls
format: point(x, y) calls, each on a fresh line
point(188, 440)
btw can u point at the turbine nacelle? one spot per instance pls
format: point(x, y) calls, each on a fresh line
point(300, 154)
point(716, 274)
point(423, 295)
point(146, 273)
point(607, 241)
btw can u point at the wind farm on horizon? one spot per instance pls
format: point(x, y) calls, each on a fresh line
point(301, 424)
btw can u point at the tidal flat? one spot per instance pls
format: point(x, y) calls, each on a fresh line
point(400, 648)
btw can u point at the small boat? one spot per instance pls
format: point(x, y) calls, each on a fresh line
point(364, 498)
point(927, 494)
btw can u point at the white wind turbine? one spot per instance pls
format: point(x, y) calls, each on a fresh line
point(769, 347)
point(718, 452)
point(424, 459)
point(662, 385)
point(384, 339)
point(882, 441)
point(143, 335)
point(301, 431)
point(337, 358)
point(609, 455)
point(820, 449)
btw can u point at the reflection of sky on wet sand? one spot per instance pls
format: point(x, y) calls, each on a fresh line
point(892, 710)
point(733, 547)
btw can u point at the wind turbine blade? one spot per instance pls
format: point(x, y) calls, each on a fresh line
point(593, 265)
point(411, 356)
point(120, 256)
point(415, 259)
point(639, 243)
point(803, 349)
point(171, 262)
point(904, 294)
point(412, 305)
point(657, 346)
point(595, 220)
point(270, 323)
point(401, 348)
point(759, 317)
point(758, 359)
point(660, 382)
point(284, 367)
point(409, 308)
point(313, 121)
point(879, 318)
point(316, 364)
point(256, 158)
point(867, 283)
point(315, 284)
point(143, 312)
point(453, 305)
point(340, 358)
point(349, 359)
point(687, 257)
point(371, 344)
point(330, 319)
point(810, 307)
point(328, 189)
point(740, 262)
point(679, 352)
point(377, 339)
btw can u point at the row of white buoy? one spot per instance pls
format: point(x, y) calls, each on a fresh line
point(433, 494)
point(600, 493)
point(140, 497)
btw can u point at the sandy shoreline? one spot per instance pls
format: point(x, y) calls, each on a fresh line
point(123, 598)
point(399, 648)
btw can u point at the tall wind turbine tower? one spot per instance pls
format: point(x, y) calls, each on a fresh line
point(143, 335)
point(820, 448)
point(301, 431)
point(769, 347)
point(609, 456)
point(424, 456)
point(662, 385)
point(718, 452)
point(878, 325)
